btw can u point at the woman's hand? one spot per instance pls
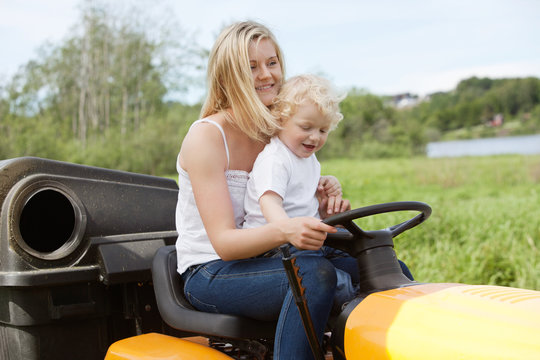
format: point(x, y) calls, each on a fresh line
point(306, 233)
point(330, 197)
point(332, 205)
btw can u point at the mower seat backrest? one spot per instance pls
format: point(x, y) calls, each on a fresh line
point(178, 313)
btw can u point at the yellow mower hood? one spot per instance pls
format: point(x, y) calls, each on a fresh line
point(445, 321)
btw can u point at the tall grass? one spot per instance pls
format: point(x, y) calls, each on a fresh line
point(485, 225)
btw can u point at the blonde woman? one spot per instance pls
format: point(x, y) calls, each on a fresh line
point(219, 261)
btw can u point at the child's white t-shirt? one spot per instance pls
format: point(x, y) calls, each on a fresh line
point(293, 178)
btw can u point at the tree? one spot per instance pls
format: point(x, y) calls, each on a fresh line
point(105, 81)
point(110, 74)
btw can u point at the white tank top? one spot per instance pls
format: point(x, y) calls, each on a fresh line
point(193, 245)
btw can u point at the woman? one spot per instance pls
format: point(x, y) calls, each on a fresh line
point(220, 263)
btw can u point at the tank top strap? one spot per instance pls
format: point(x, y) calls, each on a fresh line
point(222, 134)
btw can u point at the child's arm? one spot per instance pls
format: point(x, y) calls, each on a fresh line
point(272, 207)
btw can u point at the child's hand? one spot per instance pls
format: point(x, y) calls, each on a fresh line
point(329, 185)
point(306, 233)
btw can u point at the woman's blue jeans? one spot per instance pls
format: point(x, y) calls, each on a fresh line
point(258, 288)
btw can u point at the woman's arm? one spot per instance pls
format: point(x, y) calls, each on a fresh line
point(203, 157)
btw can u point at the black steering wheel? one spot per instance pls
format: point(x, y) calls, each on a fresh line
point(357, 240)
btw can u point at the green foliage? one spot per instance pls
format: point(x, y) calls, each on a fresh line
point(99, 98)
point(476, 101)
point(374, 128)
point(484, 226)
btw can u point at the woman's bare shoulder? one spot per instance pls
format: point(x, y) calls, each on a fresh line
point(202, 143)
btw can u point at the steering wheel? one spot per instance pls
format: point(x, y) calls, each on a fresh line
point(358, 240)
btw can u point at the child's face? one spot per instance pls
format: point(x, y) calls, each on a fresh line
point(265, 69)
point(306, 131)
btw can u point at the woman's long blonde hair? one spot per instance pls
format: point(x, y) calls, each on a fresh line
point(230, 82)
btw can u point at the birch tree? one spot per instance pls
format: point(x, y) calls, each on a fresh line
point(111, 73)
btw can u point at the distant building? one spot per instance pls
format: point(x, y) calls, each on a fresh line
point(497, 121)
point(405, 100)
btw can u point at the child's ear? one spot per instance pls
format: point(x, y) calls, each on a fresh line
point(281, 121)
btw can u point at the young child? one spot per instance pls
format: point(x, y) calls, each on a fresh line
point(285, 181)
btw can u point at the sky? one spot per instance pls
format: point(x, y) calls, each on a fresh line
point(385, 47)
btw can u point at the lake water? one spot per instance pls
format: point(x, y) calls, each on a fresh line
point(525, 145)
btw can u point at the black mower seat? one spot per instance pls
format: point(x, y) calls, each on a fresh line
point(178, 313)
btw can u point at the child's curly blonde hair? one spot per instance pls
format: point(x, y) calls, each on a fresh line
point(308, 87)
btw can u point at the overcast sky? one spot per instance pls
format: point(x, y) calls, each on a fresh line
point(383, 46)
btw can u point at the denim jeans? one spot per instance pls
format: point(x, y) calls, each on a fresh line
point(346, 271)
point(348, 279)
point(258, 288)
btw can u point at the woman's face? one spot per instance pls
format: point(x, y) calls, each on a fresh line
point(265, 69)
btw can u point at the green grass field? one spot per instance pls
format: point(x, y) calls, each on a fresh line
point(485, 225)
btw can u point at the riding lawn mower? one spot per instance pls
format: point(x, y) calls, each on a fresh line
point(88, 271)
